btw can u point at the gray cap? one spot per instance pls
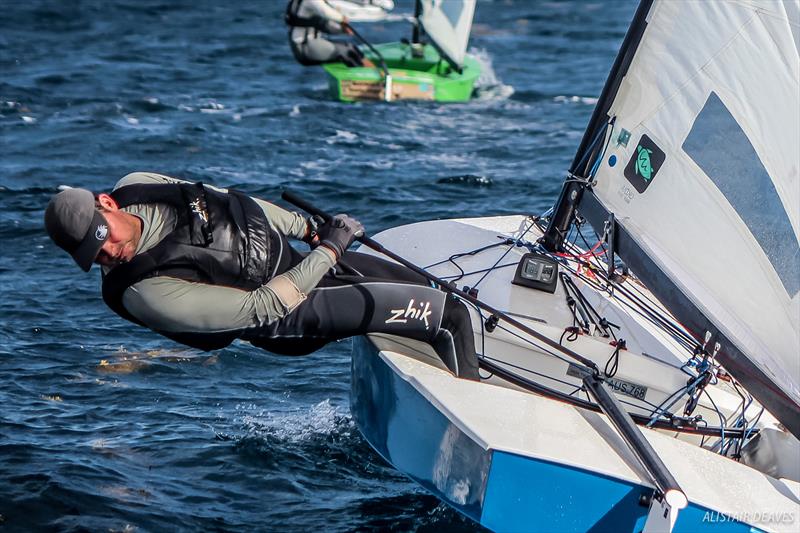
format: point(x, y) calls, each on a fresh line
point(76, 226)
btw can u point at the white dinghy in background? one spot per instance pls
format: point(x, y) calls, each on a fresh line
point(688, 173)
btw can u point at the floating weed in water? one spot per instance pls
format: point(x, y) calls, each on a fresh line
point(120, 492)
point(52, 398)
point(125, 362)
point(467, 179)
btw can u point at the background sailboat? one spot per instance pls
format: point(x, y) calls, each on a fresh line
point(439, 69)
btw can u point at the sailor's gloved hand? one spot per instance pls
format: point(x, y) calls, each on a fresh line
point(339, 233)
point(312, 230)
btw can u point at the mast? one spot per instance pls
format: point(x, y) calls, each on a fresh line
point(417, 13)
point(572, 191)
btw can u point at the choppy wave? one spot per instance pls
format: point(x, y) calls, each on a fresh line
point(489, 87)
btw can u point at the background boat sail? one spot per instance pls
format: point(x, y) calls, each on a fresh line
point(688, 170)
point(448, 25)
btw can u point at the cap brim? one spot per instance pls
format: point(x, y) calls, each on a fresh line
point(95, 237)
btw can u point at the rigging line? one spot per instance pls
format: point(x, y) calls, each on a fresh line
point(722, 421)
point(518, 240)
point(656, 320)
point(605, 250)
point(650, 404)
point(652, 305)
point(746, 435)
point(615, 358)
point(643, 310)
point(527, 370)
point(599, 321)
point(603, 152)
point(666, 323)
point(476, 251)
point(673, 398)
point(578, 389)
point(745, 405)
point(535, 345)
point(473, 272)
point(634, 288)
point(543, 390)
point(591, 146)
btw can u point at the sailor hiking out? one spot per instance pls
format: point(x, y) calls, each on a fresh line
point(308, 22)
point(205, 266)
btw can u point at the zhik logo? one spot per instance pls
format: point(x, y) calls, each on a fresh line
point(411, 311)
point(101, 232)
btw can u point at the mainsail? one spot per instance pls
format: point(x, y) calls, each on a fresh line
point(448, 23)
point(701, 119)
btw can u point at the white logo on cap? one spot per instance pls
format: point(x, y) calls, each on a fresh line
point(101, 232)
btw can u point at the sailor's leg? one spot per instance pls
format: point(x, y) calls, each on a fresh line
point(315, 51)
point(350, 55)
point(349, 309)
point(456, 337)
point(454, 341)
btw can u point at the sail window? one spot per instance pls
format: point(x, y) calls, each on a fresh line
point(719, 146)
point(452, 10)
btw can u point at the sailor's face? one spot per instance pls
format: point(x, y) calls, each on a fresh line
point(123, 237)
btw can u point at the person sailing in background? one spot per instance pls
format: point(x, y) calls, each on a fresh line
point(309, 21)
point(205, 266)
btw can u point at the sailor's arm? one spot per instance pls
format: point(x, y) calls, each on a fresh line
point(174, 305)
point(288, 223)
point(333, 17)
point(323, 9)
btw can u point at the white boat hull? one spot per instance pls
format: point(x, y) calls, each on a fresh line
point(514, 461)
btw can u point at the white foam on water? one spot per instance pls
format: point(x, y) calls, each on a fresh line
point(295, 110)
point(295, 426)
point(342, 137)
point(488, 86)
point(211, 106)
point(587, 100)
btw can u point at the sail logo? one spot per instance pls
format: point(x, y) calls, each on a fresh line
point(644, 164)
point(412, 311)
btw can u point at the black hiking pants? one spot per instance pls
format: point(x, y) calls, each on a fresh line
point(366, 294)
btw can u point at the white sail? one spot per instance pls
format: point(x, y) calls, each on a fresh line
point(708, 182)
point(448, 23)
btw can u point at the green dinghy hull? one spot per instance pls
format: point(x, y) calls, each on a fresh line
point(424, 76)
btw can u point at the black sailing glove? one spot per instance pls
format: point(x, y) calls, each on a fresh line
point(312, 230)
point(339, 233)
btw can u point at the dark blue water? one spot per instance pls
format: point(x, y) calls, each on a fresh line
point(107, 427)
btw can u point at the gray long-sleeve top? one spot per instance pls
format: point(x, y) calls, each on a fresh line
point(173, 305)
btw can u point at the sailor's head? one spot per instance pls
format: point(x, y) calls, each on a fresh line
point(88, 227)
